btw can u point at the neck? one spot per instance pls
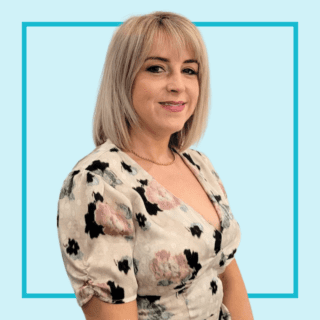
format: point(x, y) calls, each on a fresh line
point(152, 148)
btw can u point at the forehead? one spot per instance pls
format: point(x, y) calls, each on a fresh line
point(168, 44)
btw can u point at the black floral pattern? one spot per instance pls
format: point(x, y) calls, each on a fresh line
point(124, 237)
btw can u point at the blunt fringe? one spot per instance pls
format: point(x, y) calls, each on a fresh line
point(130, 45)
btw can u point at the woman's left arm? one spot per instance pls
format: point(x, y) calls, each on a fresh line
point(235, 296)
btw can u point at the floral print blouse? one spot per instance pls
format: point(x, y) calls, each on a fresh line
point(123, 236)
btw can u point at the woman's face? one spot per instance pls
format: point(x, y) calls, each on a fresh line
point(159, 81)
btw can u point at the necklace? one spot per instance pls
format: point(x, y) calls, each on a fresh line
point(156, 162)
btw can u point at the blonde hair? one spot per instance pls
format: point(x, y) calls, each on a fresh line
point(132, 41)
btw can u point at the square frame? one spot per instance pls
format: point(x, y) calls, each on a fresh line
point(293, 25)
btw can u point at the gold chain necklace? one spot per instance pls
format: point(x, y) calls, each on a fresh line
point(156, 162)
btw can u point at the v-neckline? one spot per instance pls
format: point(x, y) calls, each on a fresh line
point(198, 177)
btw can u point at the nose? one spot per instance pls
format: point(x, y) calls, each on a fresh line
point(175, 82)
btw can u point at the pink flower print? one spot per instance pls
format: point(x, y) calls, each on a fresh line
point(170, 268)
point(114, 222)
point(156, 193)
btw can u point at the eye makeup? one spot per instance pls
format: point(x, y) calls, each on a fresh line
point(156, 66)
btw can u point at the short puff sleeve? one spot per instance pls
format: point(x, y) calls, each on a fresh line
point(96, 236)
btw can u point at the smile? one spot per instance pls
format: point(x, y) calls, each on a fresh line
point(173, 108)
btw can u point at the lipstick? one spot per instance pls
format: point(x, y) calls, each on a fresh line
point(173, 107)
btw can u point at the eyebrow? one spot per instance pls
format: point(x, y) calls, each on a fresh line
point(167, 60)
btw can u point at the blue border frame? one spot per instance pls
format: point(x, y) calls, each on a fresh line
point(294, 25)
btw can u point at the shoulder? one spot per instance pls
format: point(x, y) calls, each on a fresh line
point(200, 156)
point(99, 158)
point(198, 159)
point(203, 164)
point(100, 170)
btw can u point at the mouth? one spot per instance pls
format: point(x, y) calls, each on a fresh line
point(173, 103)
point(173, 107)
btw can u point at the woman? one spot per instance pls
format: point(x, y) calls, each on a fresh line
point(144, 223)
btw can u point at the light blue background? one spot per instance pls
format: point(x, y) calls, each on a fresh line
point(249, 139)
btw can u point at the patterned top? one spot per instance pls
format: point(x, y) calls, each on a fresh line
point(123, 236)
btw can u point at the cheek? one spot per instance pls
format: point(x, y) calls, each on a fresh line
point(195, 89)
point(144, 89)
point(196, 94)
point(140, 92)
point(146, 92)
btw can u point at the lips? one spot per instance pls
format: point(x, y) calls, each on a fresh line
point(173, 108)
point(173, 102)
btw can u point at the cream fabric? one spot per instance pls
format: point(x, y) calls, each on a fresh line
point(123, 236)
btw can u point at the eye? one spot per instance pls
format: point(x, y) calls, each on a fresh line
point(152, 68)
point(193, 72)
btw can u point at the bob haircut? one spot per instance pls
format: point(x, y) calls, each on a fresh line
point(130, 45)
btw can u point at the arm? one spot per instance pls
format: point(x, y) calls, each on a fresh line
point(96, 231)
point(235, 296)
point(96, 309)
